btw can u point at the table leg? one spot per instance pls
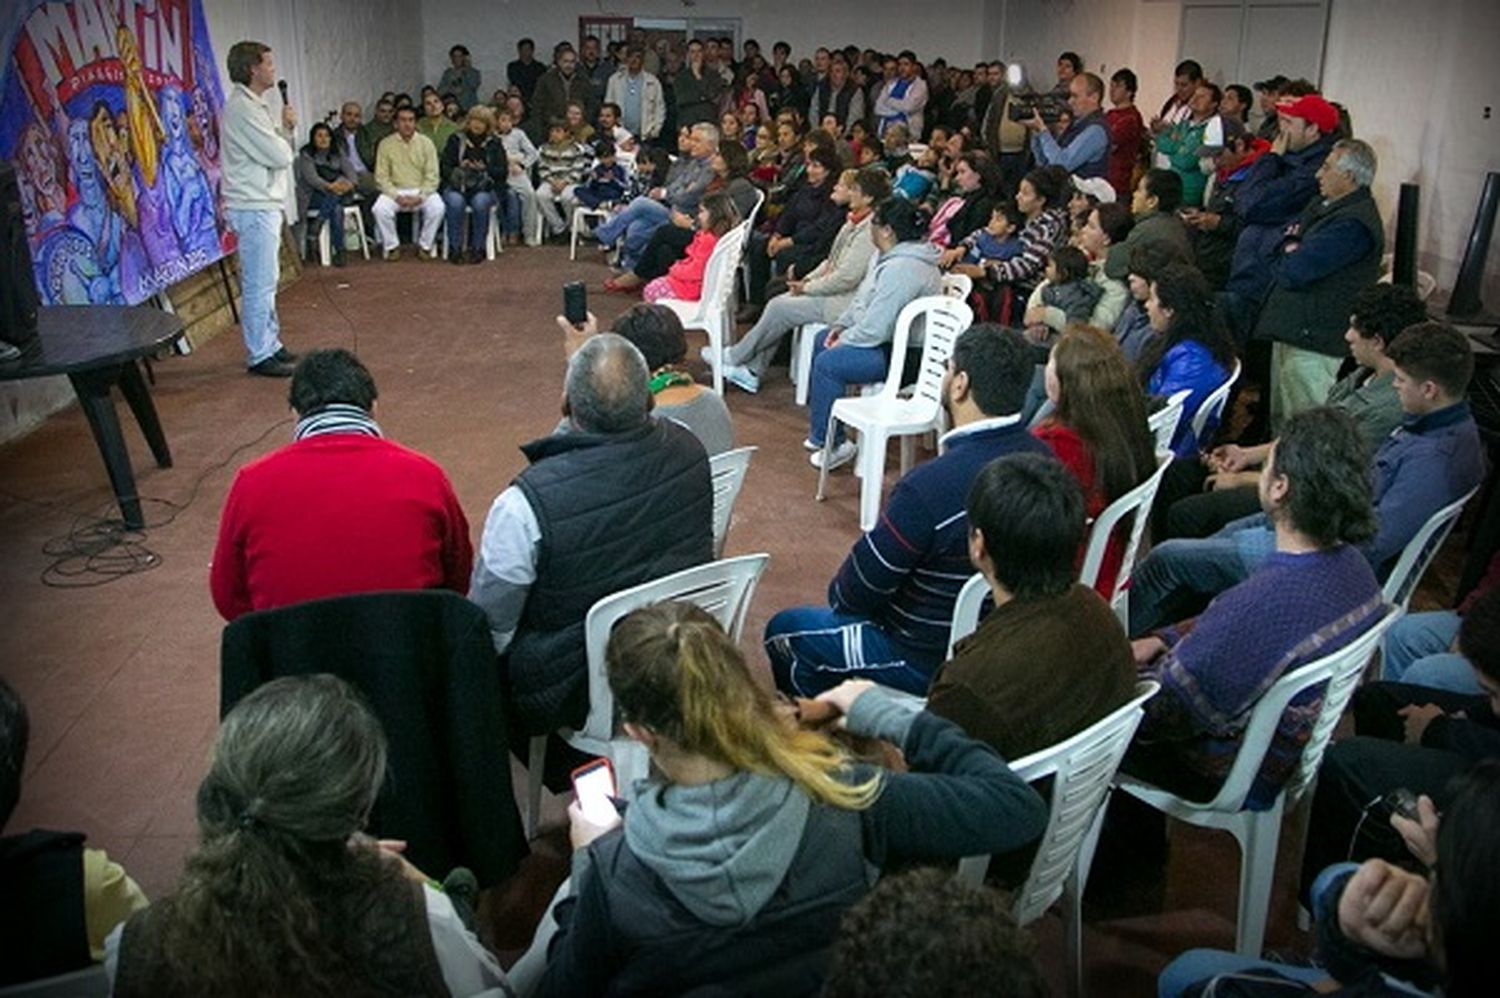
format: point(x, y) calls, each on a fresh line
point(92, 388)
point(138, 396)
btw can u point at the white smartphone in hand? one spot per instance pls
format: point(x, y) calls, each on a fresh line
point(593, 786)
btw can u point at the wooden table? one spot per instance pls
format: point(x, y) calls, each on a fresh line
point(99, 347)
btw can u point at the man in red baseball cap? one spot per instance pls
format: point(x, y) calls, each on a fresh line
point(1311, 117)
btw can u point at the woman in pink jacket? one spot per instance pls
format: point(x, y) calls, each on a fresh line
point(684, 281)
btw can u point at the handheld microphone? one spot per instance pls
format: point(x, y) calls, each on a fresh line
point(281, 85)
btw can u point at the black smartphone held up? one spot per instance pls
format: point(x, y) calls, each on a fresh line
point(575, 303)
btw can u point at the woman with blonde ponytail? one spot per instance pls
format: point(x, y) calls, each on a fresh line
point(733, 865)
point(284, 894)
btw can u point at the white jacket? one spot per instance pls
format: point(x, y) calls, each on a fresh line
point(258, 155)
point(653, 105)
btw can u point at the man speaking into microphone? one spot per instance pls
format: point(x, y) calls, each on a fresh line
point(257, 176)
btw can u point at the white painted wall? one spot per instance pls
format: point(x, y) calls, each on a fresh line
point(954, 29)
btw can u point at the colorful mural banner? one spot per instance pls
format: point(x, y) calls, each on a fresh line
point(109, 110)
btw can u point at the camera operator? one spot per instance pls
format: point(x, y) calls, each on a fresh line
point(1083, 147)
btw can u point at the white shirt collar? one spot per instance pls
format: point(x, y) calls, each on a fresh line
point(979, 426)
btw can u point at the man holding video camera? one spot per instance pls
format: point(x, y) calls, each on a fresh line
point(1083, 147)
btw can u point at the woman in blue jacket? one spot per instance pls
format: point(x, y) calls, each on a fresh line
point(1192, 348)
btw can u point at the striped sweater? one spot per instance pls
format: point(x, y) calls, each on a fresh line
point(569, 161)
point(1041, 235)
point(906, 573)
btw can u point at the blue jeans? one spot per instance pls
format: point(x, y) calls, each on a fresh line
point(813, 649)
point(259, 234)
point(1196, 567)
point(1417, 652)
point(636, 223)
point(833, 371)
point(330, 213)
point(510, 211)
point(479, 220)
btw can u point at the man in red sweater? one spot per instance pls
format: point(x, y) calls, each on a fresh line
point(340, 510)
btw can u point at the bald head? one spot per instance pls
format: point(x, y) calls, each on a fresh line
point(608, 386)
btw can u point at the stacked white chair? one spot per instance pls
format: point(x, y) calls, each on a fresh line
point(722, 588)
point(1258, 832)
point(888, 414)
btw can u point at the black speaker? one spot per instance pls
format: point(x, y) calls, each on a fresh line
point(18, 298)
point(1465, 303)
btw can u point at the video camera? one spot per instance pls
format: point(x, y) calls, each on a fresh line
point(1025, 102)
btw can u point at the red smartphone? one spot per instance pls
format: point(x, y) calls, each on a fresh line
point(593, 786)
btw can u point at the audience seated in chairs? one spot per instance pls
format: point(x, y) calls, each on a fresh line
point(1042, 199)
point(1387, 931)
point(1097, 428)
point(1051, 658)
point(298, 523)
point(434, 124)
point(891, 604)
point(518, 201)
point(822, 293)
point(1198, 497)
point(966, 942)
point(615, 500)
point(1407, 737)
point(972, 194)
point(359, 140)
point(1311, 596)
point(1419, 650)
point(284, 893)
point(669, 242)
point(683, 281)
point(1154, 204)
point(1191, 349)
point(61, 899)
point(800, 237)
point(326, 182)
point(1146, 263)
point(681, 191)
point(735, 865)
point(1434, 457)
point(407, 172)
point(475, 168)
point(562, 163)
point(854, 350)
point(1216, 228)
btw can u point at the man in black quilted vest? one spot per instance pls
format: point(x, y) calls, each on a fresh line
point(618, 499)
point(1327, 257)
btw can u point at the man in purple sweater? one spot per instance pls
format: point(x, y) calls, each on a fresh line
point(1314, 594)
point(891, 604)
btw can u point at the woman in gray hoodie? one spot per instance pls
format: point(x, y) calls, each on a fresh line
point(733, 867)
point(855, 349)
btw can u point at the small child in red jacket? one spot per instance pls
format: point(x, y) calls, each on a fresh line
point(684, 281)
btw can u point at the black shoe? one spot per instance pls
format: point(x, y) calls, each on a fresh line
point(456, 256)
point(476, 256)
point(340, 258)
point(272, 367)
point(285, 356)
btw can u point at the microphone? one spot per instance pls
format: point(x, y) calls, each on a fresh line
point(281, 85)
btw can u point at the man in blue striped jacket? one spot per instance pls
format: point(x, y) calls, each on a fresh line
point(891, 603)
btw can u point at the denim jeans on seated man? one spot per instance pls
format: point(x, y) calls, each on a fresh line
point(1179, 577)
point(259, 234)
point(1418, 651)
point(814, 648)
point(330, 210)
point(636, 222)
point(479, 221)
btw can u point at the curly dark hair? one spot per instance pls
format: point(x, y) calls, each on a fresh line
point(1326, 463)
point(1195, 316)
point(1383, 310)
point(964, 942)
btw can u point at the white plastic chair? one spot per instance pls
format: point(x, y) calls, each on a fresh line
point(888, 414)
point(1420, 551)
point(492, 242)
point(1082, 768)
point(804, 338)
point(743, 268)
point(723, 588)
point(958, 286)
point(354, 231)
point(714, 312)
point(580, 216)
point(1136, 503)
point(1213, 406)
point(1163, 422)
point(1258, 832)
point(728, 472)
point(966, 610)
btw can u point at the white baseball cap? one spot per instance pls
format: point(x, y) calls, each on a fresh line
point(1096, 187)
